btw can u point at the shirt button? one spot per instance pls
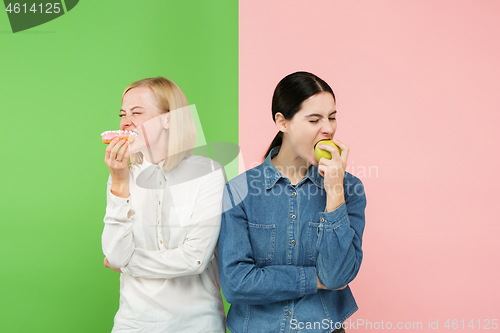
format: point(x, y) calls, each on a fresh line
point(294, 217)
point(294, 194)
point(161, 242)
point(128, 201)
point(288, 313)
point(160, 183)
point(293, 242)
point(198, 262)
point(158, 222)
point(159, 202)
point(322, 220)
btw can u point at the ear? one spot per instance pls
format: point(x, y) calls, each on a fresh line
point(281, 122)
point(166, 120)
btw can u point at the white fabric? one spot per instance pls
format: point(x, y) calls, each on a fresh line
point(165, 248)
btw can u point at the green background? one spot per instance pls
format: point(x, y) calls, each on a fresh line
point(60, 87)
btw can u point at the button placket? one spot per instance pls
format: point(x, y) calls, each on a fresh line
point(159, 229)
point(293, 226)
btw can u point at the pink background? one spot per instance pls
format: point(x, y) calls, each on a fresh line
point(417, 98)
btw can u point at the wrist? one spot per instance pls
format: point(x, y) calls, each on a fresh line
point(120, 190)
point(334, 203)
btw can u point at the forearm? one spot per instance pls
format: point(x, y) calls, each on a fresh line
point(117, 239)
point(117, 243)
point(248, 284)
point(190, 258)
point(120, 189)
point(334, 201)
point(339, 249)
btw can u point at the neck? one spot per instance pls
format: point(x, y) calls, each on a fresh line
point(290, 164)
point(157, 152)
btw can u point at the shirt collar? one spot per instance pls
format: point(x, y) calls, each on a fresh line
point(148, 169)
point(272, 175)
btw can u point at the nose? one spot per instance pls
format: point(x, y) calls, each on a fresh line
point(327, 128)
point(125, 123)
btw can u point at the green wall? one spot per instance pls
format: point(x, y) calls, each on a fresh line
point(60, 87)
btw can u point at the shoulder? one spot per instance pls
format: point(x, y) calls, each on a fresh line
point(195, 162)
point(242, 180)
point(197, 170)
point(351, 179)
point(239, 187)
point(354, 190)
point(198, 166)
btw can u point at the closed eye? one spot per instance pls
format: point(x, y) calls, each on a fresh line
point(123, 115)
point(315, 121)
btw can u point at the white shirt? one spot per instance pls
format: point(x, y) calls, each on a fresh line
point(165, 249)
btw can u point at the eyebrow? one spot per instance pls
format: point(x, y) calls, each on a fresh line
point(135, 107)
point(320, 115)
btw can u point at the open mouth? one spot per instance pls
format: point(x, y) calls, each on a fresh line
point(325, 139)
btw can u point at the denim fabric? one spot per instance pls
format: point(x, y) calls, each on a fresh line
point(275, 238)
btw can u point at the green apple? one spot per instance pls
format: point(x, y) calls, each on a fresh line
point(325, 153)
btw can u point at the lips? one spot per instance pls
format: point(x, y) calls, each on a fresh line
point(128, 130)
point(321, 140)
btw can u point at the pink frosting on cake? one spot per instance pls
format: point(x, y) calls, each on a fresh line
point(110, 135)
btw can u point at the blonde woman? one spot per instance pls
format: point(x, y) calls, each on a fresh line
point(162, 216)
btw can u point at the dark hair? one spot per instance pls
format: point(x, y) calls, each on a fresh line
point(289, 94)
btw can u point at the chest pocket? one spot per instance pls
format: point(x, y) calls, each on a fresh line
point(262, 239)
point(312, 241)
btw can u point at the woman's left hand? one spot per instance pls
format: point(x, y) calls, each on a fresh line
point(106, 264)
point(333, 173)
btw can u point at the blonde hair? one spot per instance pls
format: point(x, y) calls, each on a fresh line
point(182, 136)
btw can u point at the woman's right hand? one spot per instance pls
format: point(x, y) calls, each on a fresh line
point(321, 286)
point(116, 159)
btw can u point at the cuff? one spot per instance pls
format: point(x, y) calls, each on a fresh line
point(125, 270)
point(335, 218)
point(119, 208)
point(308, 281)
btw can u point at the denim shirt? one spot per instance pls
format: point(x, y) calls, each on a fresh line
point(276, 238)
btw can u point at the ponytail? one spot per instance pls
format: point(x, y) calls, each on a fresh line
point(277, 141)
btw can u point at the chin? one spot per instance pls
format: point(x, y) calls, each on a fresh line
point(313, 161)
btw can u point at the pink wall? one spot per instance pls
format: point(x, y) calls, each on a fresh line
point(417, 98)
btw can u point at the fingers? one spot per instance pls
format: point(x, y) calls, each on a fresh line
point(109, 148)
point(322, 168)
point(327, 147)
point(120, 156)
point(127, 152)
point(116, 148)
point(117, 151)
point(344, 148)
